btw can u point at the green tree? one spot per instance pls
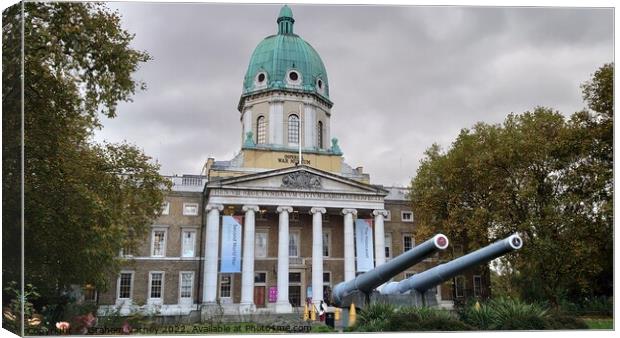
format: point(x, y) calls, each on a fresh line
point(83, 201)
point(536, 173)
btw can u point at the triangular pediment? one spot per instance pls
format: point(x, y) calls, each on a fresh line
point(298, 178)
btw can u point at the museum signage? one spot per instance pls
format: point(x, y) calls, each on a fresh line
point(231, 244)
point(363, 244)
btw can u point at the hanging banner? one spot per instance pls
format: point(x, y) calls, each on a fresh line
point(363, 245)
point(231, 244)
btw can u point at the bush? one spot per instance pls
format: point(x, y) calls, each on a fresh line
point(595, 306)
point(505, 314)
point(386, 317)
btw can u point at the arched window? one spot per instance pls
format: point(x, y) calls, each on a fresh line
point(293, 129)
point(261, 130)
point(319, 134)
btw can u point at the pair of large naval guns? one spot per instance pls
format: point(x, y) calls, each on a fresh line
point(372, 286)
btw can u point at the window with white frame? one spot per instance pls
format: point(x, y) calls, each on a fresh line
point(293, 129)
point(156, 285)
point(158, 244)
point(319, 134)
point(388, 245)
point(477, 285)
point(325, 218)
point(327, 243)
point(260, 238)
point(406, 216)
point(126, 251)
point(408, 242)
point(327, 278)
point(188, 243)
point(165, 208)
point(293, 244)
point(261, 130)
point(260, 278)
point(190, 209)
point(186, 285)
point(225, 286)
point(125, 284)
point(459, 286)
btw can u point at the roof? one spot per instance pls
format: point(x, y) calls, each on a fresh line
point(278, 55)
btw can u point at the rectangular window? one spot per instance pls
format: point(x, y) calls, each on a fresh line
point(124, 285)
point(293, 244)
point(126, 251)
point(225, 286)
point(326, 243)
point(190, 209)
point(477, 285)
point(188, 243)
point(409, 274)
point(408, 242)
point(165, 208)
point(388, 245)
point(260, 277)
point(325, 218)
point(158, 248)
point(459, 287)
point(407, 216)
point(157, 281)
point(187, 284)
point(327, 278)
point(260, 250)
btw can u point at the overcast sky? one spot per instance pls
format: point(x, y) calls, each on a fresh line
point(401, 78)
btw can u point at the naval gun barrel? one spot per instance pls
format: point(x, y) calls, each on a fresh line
point(431, 277)
point(369, 280)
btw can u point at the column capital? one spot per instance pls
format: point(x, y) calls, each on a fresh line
point(283, 208)
point(378, 212)
point(246, 208)
point(315, 210)
point(210, 207)
point(349, 211)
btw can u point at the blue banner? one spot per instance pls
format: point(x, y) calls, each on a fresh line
point(363, 245)
point(231, 244)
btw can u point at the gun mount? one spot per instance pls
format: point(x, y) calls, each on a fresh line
point(358, 290)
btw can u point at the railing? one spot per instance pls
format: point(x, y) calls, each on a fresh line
point(193, 183)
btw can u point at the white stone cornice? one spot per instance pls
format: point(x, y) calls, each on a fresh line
point(349, 211)
point(250, 207)
point(378, 212)
point(315, 210)
point(210, 207)
point(285, 208)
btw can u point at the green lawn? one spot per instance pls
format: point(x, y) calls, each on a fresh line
point(600, 323)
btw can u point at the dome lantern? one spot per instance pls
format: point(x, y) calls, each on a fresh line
point(285, 20)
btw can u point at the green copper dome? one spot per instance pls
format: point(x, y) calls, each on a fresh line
point(286, 62)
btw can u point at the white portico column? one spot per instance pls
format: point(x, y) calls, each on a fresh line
point(211, 246)
point(317, 255)
point(349, 245)
point(379, 236)
point(282, 303)
point(247, 270)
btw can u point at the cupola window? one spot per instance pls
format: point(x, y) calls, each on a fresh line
point(293, 129)
point(261, 130)
point(293, 77)
point(261, 77)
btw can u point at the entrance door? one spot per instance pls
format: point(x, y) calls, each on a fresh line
point(259, 296)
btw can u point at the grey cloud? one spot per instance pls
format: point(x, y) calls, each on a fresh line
point(407, 76)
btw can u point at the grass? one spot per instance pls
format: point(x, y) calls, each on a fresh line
point(600, 323)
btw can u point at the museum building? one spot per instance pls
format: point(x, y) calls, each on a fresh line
point(263, 232)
